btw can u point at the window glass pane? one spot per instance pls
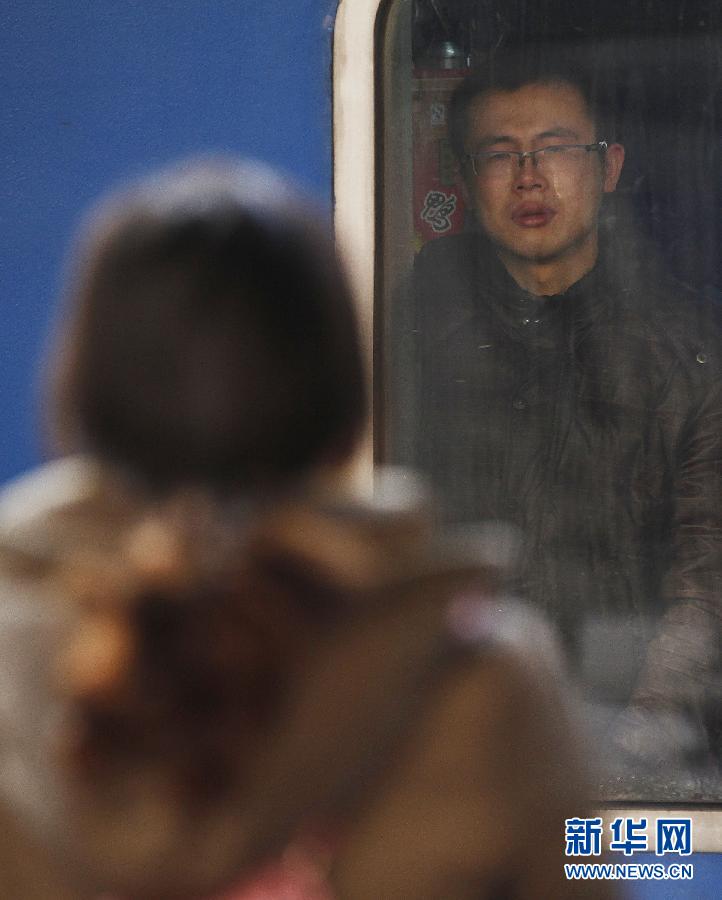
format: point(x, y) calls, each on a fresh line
point(548, 336)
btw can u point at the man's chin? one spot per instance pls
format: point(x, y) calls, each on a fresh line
point(535, 253)
point(537, 248)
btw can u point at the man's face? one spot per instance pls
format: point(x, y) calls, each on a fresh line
point(539, 213)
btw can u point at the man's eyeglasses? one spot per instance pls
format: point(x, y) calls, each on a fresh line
point(557, 157)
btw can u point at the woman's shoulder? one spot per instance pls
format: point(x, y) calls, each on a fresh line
point(56, 485)
point(59, 508)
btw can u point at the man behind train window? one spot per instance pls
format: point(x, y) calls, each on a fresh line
point(568, 385)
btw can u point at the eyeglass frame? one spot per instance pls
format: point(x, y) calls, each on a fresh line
point(600, 146)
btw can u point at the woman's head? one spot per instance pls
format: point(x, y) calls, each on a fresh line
point(211, 335)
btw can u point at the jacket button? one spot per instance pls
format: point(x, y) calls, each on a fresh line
point(519, 403)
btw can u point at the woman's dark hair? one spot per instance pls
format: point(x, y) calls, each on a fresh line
point(211, 334)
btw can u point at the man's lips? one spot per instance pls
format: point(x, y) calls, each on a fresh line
point(532, 215)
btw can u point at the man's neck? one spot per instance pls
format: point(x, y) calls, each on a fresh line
point(545, 278)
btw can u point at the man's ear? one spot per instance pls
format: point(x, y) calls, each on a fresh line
point(613, 162)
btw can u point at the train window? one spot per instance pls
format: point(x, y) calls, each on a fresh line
point(533, 195)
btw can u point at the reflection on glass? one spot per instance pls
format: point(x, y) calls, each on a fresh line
point(551, 338)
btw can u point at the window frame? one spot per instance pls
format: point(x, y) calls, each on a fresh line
point(357, 107)
point(354, 176)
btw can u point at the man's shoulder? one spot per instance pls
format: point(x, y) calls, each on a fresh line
point(652, 311)
point(452, 251)
point(445, 276)
point(683, 321)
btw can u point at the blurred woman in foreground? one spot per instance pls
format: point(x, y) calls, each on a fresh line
point(213, 658)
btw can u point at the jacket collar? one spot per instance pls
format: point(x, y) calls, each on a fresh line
point(542, 320)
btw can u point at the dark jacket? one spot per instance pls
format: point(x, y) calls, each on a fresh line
point(591, 419)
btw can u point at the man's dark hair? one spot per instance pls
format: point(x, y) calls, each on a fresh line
point(211, 334)
point(510, 70)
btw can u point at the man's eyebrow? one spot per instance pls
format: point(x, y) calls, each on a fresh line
point(489, 139)
point(558, 131)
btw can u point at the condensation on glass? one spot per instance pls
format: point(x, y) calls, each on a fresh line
point(631, 446)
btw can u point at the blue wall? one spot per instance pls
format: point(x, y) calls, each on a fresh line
point(94, 91)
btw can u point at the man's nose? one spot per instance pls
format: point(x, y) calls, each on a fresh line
point(528, 176)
